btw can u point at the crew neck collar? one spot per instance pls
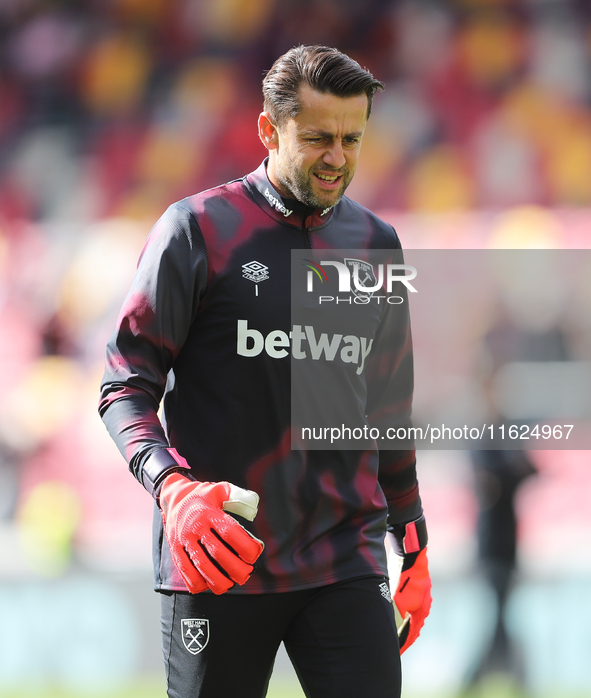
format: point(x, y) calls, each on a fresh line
point(286, 210)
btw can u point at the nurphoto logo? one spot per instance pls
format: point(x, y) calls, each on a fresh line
point(362, 272)
point(365, 283)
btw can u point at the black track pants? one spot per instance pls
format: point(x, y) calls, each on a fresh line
point(341, 639)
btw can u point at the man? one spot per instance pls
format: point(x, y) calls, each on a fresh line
point(207, 325)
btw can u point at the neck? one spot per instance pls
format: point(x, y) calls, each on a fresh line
point(273, 178)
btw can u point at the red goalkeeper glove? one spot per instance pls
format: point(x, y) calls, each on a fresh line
point(412, 596)
point(210, 549)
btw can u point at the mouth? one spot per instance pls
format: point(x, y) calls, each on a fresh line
point(327, 181)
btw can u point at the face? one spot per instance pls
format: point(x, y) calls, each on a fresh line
point(313, 156)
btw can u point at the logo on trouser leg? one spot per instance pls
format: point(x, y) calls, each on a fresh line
point(385, 591)
point(195, 632)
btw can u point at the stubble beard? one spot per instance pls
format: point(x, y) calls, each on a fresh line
point(301, 187)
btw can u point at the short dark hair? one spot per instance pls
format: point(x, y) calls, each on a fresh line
point(323, 69)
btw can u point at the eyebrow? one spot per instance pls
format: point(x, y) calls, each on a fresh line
point(328, 134)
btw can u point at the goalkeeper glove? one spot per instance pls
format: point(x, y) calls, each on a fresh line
point(210, 549)
point(406, 547)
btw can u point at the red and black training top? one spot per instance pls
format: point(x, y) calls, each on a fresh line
point(212, 260)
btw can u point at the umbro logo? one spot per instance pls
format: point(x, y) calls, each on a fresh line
point(256, 272)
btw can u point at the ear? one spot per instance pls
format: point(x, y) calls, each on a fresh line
point(268, 132)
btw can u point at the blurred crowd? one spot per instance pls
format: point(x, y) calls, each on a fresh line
point(116, 107)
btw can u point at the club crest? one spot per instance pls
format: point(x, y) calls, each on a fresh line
point(195, 632)
point(366, 277)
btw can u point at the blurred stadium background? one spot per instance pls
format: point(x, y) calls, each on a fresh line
point(112, 109)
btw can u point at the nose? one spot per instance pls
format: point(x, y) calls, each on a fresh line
point(334, 156)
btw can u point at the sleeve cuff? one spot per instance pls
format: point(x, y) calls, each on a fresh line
point(158, 465)
point(411, 537)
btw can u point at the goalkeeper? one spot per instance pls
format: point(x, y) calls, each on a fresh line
point(256, 543)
